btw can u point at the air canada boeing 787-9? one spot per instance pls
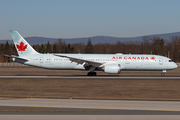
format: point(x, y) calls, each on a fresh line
point(109, 63)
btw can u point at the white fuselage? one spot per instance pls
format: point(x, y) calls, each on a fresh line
point(127, 61)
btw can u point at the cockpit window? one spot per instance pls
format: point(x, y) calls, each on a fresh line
point(170, 61)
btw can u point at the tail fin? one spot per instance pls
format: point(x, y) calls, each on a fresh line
point(22, 46)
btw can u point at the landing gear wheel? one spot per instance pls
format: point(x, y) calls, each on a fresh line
point(94, 73)
point(91, 74)
point(163, 73)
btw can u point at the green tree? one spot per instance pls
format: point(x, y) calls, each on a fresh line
point(55, 50)
point(69, 49)
point(59, 45)
point(7, 49)
point(89, 47)
point(42, 49)
point(48, 47)
point(158, 46)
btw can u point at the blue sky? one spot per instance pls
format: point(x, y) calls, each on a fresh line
point(87, 18)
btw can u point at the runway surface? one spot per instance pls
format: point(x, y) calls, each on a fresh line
point(88, 109)
point(90, 77)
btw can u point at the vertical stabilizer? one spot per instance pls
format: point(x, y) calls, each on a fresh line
point(22, 46)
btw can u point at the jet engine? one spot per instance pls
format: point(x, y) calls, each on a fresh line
point(112, 68)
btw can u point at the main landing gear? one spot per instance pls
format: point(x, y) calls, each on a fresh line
point(91, 74)
point(163, 73)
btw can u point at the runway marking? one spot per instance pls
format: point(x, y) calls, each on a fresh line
point(88, 115)
point(117, 105)
point(88, 108)
point(95, 103)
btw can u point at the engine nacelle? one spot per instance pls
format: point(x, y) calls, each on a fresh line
point(112, 68)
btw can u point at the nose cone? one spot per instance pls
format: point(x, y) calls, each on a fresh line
point(174, 66)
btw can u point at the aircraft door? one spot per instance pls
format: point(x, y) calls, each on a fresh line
point(41, 60)
point(128, 60)
point(160, 61)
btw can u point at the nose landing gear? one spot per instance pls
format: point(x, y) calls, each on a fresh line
point(163, 73)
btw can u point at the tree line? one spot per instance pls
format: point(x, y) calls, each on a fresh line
point(148, 45)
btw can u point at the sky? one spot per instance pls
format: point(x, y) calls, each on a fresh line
point(87, 18)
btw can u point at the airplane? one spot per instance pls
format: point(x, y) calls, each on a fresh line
point(109, 63)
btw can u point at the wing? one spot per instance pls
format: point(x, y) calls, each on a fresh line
point(81, 61)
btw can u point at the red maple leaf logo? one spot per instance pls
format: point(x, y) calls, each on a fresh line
point(21, 46)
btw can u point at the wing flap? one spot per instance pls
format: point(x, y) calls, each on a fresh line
point(81, 61)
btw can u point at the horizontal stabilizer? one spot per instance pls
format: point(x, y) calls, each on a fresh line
point(20, 58)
